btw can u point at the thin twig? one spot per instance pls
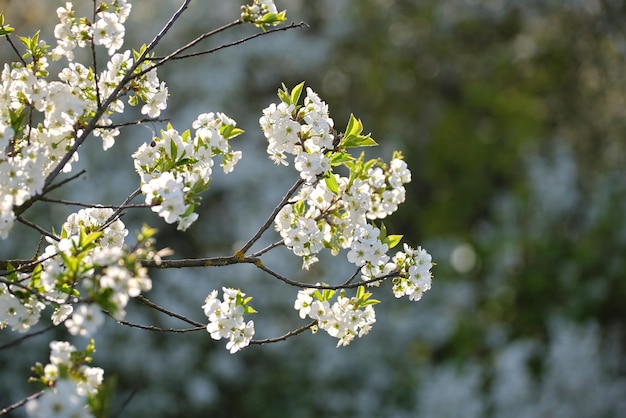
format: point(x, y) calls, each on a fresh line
point(24, 206)
point(94, 205)
point(20, 403)
point(126, 402)
point(268, 248)
point(284, 337)
point(155, 41)
point(135, 122)
point(174, 56)
point(95, 61)
point(153, 305)
point(346, 285)
point(36, 228)
point(19, 56)
point(117, 213)
point(18, 341)
point(270, 219)
point(158, 329)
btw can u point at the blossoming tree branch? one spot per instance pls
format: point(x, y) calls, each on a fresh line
point(89, 270)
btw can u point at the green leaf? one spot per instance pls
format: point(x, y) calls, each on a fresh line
point(369, 302)
point(299, 208)
point(249, 310)
point(185, 161)
point(283, 94)
point(392, 240)
point(383, 231)
point(295, 93)
point(173, 149)
point(88, 241)
point(12, 276)
point(339, 158)
point(331, 182)
point(353, 137)
point(4, 29)
point(354, 141)
point(229, 131)
point(355, 127)
point(18, 116)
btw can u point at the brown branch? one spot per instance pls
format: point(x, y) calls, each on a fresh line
point(19, 56)
point(135, 122)
point(284, 337)
point(173, 56)
point(153, 305)
point(24, 206)
point(18, 341)
point(270, 219)
point(21, 403)
point(346, 285)
point(268, 248)
point(158, 329)
point(94, 205)
point(199, 262)
point(36, 228)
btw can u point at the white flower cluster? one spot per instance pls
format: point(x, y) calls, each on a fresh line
point(262, 13)
point(70, 386)
point(305, 133)
point(175, 168)
point(19, 313)
point(333, 213)
point(107, 30)
point(226, 318)
point(320, 218)
point(65, 105)
point(107, 280)
point(345, 319)
point(415, 278)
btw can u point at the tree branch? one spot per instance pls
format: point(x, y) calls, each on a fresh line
point(153, 305)
point(199, 262)
point(36, 228)
point(175, 56)
point(158, 329)
point(270, 219)
point(283, 337)
point(94, 205)
point(21, 403)
point(18, 341)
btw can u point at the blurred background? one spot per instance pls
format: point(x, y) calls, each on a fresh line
point(511, 116)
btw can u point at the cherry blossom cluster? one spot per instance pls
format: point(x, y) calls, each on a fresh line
point(70, 381)
point(226, 318)
point(175, 168)
point(87, 272)
point(331, 210)
point(87, 269)
point(305, 132)
point(345, 319)
point(262, 13)
point(414, 266)
point(65, 105)
point(107, 29)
